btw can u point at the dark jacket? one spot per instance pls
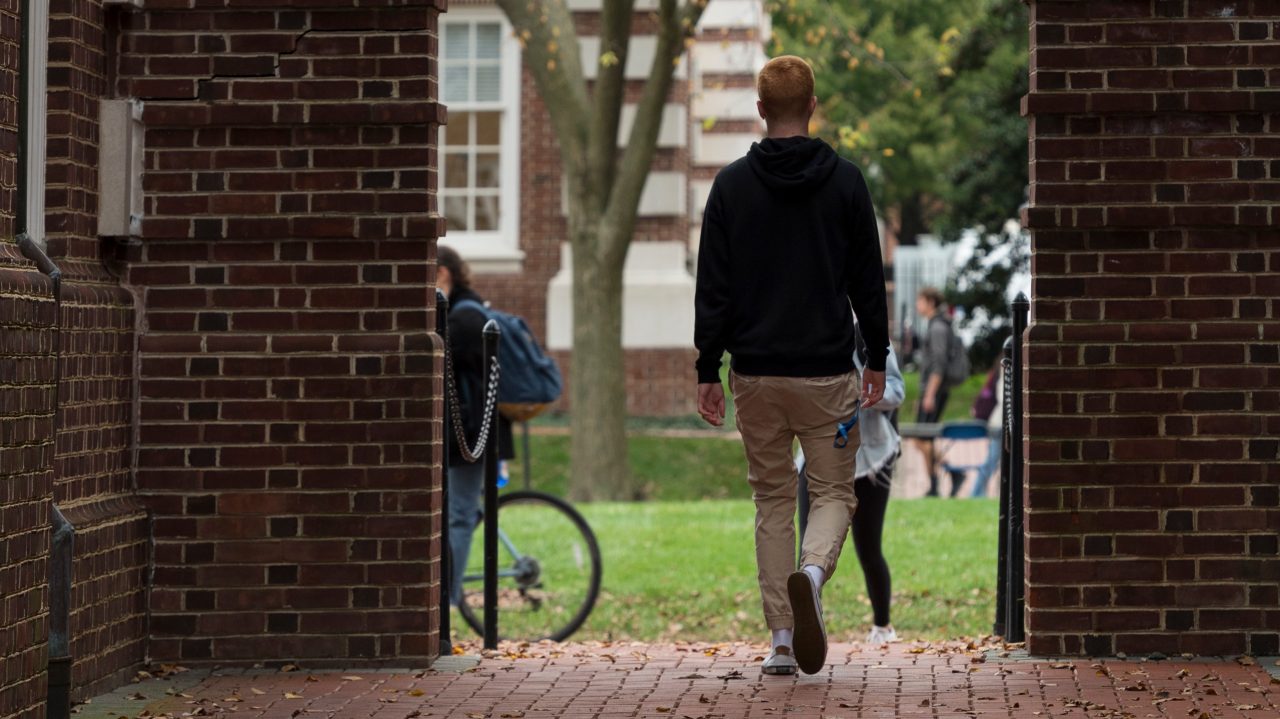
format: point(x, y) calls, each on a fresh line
point(789, 244)
point(466, 342)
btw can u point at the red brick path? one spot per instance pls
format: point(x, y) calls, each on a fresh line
point(723, 682)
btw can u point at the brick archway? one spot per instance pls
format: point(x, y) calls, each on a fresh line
point(1152, 408)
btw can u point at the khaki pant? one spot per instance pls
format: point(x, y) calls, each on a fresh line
point(770, 413)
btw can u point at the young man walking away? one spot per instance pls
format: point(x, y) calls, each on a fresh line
point(789, 245)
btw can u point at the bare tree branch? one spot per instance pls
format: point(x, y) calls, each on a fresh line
point(676, 24)
point(615, 38)
point(550, 41)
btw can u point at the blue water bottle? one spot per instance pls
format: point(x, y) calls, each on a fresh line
point(503, 475)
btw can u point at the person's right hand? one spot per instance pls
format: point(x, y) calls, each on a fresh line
point(711, 403)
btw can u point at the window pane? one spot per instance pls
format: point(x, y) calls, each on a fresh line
point(458, 131)
point(488, 40)
point(487, 124)
point(488, 83)
point(455, 169)
point(457, 41)
point(457, 83)
point(487, 169)
point(455, 212)
point(486, 212)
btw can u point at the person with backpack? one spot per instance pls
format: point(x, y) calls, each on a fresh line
point(467, 319)
point(940, 359)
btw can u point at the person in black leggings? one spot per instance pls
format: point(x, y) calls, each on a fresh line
point(878, 450)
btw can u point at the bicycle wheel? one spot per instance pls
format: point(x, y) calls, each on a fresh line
point(548, 569)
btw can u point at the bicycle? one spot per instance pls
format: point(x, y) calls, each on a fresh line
point(548, 569)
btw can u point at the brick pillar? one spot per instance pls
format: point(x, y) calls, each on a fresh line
point(1152, 362)
point(26, 428)
point(290, 387)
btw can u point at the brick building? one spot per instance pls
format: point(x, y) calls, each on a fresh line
point(233, 396)
point(502, 195)
point(233, 399)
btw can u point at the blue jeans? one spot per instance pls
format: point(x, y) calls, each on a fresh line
point(466, 492)
point(988, 468)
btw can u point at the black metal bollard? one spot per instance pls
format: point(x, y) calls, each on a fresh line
point(446, 553)
point(1015, 631)
point(492, 333)
point(1002, 569)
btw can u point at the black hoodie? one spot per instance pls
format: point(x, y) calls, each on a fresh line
point(789, 245)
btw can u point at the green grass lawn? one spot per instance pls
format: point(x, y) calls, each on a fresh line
point(686, 570)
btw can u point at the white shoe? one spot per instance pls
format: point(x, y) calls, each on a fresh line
point(780, 662)
point(881, 635)
point(810, 641)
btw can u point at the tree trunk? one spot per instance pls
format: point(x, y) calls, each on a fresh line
point(597, 378)
point(912, 223)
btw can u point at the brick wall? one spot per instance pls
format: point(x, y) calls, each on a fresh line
point(26, 427)
point(289, 446)
point(93, 486)
point(1152, 383)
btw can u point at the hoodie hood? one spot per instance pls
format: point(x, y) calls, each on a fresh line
point(792, 164)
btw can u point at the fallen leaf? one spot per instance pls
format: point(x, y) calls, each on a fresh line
point(702, 699)
point(136, 696)
point(233, 698)
point(292, 695)
point(1182, 673)
point(664, 710)
point(353, 678)
point(289, 668)
point(416, 692)
point(517, 715)
point(924, 702)
point(1245, 661)
point(256, 691)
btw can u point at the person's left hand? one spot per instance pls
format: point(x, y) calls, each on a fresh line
point(711, 403)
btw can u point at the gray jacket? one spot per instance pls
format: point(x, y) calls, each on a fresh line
point(879, 440)
point(933, 351)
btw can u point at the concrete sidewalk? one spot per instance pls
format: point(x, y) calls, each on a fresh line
point(577, 681)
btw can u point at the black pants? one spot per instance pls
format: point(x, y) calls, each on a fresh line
point(868, 530)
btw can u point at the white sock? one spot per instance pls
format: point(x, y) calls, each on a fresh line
point(781, 638)
point(816, 573)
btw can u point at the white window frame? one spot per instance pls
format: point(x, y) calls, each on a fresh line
point(37, 119)
point(497, 250)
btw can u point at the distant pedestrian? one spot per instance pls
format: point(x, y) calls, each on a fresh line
point(877, 454)
point(789, 246)
point(989, 406)
point(934, 390)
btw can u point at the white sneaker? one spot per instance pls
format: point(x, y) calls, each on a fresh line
point(780, 662)
point(881, 635)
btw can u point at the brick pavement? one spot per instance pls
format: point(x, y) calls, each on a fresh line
point(577, 681)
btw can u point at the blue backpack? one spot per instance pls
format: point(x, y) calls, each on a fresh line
point(530, 381)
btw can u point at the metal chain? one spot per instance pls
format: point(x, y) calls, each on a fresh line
point(1007, 365)
point(470, 455)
